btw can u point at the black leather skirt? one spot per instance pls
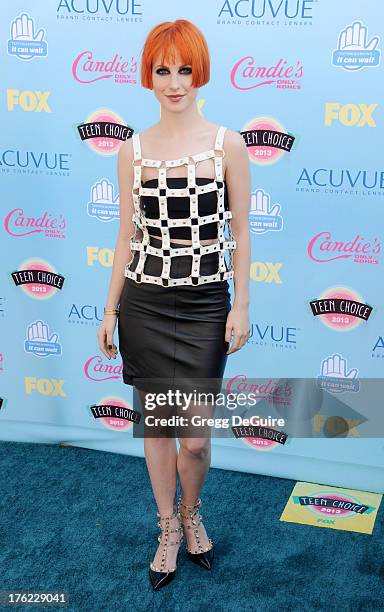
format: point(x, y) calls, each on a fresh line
point(174, 337)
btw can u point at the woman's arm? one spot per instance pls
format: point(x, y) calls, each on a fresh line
point(122, 249)
point(238, 178)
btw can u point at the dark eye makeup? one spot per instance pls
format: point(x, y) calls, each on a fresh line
point(187, 68)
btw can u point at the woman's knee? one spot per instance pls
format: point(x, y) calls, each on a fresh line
point(198, 447)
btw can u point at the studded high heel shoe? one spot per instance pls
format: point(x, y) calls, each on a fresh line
point(201, 556)
point(159, 576)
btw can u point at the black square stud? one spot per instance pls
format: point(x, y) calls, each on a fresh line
point(194, 221)
point(164, 282)
point(164, 223)
point(138, 276)
point(195, 280)
point(163, 192)
point(192, 190)
point(221, 216)
point(166, 252)
point(196, 251)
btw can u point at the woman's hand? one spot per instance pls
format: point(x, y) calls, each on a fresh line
point(238, 323)
point(105, 336)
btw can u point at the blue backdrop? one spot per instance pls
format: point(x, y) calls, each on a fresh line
point(300, 80)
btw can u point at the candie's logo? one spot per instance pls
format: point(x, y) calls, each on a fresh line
point(19, 223)
point(257, 436)
point(325, 248)
point(87, 69)
point(248, 74)
point(97, 370)
point(266, 140)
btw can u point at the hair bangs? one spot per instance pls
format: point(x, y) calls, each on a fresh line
point(174, 41)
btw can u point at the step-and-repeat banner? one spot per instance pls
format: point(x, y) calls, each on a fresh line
point(301, 80)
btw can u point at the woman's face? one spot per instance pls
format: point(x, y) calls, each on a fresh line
point(173, 80)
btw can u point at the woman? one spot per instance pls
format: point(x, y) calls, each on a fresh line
point(175, 319)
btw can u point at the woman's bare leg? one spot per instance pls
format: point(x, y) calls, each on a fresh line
point(161, 456)
point(193, 463)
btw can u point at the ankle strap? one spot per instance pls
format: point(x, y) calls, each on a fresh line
point(196, 505)
point(167, 516)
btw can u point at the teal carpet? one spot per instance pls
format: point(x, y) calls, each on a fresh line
point(84, 522)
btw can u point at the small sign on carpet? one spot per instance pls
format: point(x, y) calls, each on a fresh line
point(334, 507)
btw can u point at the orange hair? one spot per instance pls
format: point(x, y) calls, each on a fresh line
point(170, 38)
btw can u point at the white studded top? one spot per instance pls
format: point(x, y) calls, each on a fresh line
point(222, 217)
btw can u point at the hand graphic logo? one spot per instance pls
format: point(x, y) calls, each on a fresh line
point(22, 29)
point(353, 51)
point(104, 204)
point(354, 38)
point(263, 216)
point(38, 332)
point(336, 366)
point(102, 193)
point(24, 42)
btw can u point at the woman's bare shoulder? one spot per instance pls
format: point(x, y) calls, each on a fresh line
point(126, 149)
point(150, 132)
point(233, 141)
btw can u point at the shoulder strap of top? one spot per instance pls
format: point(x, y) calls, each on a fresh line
point(136, 145)
point(220, 137)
